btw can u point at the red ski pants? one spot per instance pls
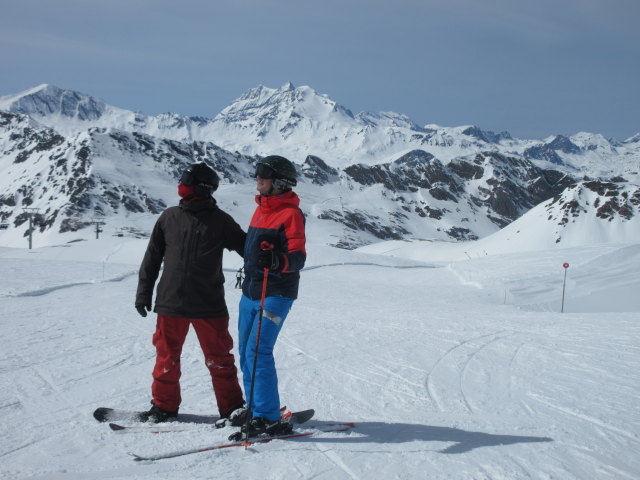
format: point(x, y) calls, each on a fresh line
point(216, 343)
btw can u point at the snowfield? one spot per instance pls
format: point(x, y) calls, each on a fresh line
point(453, 360)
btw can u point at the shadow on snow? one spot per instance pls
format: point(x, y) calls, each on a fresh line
point(464, 441)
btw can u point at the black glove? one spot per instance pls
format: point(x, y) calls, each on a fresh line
point(271, 260)
point(142, 309)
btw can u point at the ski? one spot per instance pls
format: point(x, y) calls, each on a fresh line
point(152, 428)
point(112, 415)
point(293, 417)
point(330, 427)
point(105, 414)
point(301, 416)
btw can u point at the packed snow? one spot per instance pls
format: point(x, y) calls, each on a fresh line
point(453, 360)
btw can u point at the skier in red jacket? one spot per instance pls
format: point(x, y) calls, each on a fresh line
point(275, 241)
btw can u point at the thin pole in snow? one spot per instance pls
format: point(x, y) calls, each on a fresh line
point(566, 267)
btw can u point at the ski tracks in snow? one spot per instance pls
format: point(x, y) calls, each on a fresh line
point(46, 290)
point(337, 461)
point(470, 374)
point(584, 417)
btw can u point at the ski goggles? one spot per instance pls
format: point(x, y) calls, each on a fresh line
point(264, 171)
point(187, 178)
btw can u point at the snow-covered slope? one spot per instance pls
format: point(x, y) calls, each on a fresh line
point(450, 370)
point(589, 213)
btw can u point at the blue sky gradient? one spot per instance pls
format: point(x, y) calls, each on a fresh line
point(532, 68)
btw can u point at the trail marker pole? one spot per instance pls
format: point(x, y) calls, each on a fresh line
point(566, 267)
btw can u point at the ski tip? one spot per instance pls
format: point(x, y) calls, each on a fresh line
point(115, 427)
point(302, 416)
point(101, 413)
point(138, 458)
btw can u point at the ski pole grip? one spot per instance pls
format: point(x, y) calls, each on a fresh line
point(267, 246)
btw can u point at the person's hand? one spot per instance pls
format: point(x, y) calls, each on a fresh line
point(142, 309)
point(270, 259)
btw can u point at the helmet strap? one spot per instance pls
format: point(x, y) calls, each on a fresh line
point(281, 184)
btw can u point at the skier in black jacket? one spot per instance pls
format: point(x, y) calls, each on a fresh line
point(189, 239)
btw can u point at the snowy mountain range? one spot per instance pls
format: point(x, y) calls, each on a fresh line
point(371, 176)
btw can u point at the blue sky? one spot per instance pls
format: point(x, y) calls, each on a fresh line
point(531, 68)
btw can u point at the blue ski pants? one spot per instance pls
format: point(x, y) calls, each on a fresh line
point(266, 400)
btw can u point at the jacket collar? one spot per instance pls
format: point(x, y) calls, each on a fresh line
point(276, 202)
point(198, 204)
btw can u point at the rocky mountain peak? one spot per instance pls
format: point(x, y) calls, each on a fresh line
point(485, 135)
point(563, 144)
point(46, 100)
point(633, 139)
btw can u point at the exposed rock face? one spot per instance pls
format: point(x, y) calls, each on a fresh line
point(506, 186)
point(92, 174)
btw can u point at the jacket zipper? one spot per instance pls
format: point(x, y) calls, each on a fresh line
point(183, 246)
point(196, 244)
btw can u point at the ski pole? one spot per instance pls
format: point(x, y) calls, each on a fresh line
point(263, 246)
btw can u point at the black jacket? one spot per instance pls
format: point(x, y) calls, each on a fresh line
point(189, 238)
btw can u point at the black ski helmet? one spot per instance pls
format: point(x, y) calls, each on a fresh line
point(283, 172)
point(202, 177)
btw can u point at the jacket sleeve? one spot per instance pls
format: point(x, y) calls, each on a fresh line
point(151, 263)
point(234, 236)
point(296, 253)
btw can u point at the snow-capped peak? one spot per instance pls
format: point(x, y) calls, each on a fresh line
point(388, 119)
point(591, 141)
point(49, 100)
point(287, 86)
point(633, 139)
point(9, 99)
point(264, 104)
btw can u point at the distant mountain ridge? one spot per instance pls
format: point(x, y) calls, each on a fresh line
point(300, 122)
point(370, 176)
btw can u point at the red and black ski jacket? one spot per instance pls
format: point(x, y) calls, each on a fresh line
point(279, 221)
